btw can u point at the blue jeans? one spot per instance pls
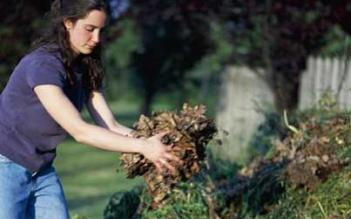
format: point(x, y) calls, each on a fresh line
point(24, 195)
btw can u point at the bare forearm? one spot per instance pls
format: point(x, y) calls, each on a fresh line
point(121, 129)
point(68, 117)
point(108, 140)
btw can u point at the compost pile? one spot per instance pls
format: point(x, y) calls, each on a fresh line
point(318, 147)
point(189, 131)
point(314, 151)
point(311, 152)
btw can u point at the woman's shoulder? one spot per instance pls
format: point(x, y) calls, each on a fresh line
point(43, 55)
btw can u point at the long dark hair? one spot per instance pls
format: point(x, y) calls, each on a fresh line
point(56, 34)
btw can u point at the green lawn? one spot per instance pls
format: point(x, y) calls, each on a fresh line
point(89, 176)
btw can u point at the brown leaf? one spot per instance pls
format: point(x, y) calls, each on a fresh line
point(189, 132)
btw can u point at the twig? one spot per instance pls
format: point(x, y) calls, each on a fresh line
point(290, 127)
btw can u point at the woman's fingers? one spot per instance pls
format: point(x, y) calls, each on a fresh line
point(158, 167)
point(169, 148)
point(167, 165)
point(172, 148)
point(172, 157)
point(161, 134)
point(164, 158)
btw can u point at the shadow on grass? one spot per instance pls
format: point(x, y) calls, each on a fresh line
point(264, 189)
point(252, 195)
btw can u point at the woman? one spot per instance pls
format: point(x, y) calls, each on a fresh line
point(41, 103)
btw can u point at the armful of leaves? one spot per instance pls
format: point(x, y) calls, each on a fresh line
point(189, 133)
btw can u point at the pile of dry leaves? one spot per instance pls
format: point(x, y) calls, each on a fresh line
point(312, 151)
point(304, 159)
point(189, 132)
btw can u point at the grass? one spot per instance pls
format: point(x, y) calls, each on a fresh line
point(90, 176)
point(330, 200)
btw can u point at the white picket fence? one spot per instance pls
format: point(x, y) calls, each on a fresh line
point(323, 74)
point(243, 92)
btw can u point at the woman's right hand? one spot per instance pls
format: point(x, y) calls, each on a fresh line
point(159, 153)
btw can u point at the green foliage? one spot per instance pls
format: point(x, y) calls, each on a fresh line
point(123, 205)
point(117, 59)
point(264, 194)
point(19, 24)
point(273, 127)
point(249, 39)
point(174, 39)
point(118, 51)
point(205, 78)
point(213, 62)
point(220, 169)
point(186, 202)
point(333, 198)
point(90, 184)
point(265, 188)
point(289, 206)
point(77, 216)
point(270, 129)
point(339, 43)
point(9, 54)
point(336, 201)
point(328, 103)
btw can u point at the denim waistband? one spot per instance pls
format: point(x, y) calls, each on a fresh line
point(4, 158)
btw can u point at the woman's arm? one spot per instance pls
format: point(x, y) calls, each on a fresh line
point(65, 114)
point(102, 114)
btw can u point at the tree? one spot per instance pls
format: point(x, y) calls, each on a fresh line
point(175, 36)
point(19, 23)
point(279, 36)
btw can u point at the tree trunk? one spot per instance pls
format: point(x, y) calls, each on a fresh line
point(288, 60)
point(286, 86)
point(146, 105)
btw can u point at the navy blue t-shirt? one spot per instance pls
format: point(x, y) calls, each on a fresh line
point(28, 134)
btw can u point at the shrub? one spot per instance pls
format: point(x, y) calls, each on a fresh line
point(123, 205)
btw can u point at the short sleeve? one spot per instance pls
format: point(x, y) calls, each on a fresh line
point(45, 70)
